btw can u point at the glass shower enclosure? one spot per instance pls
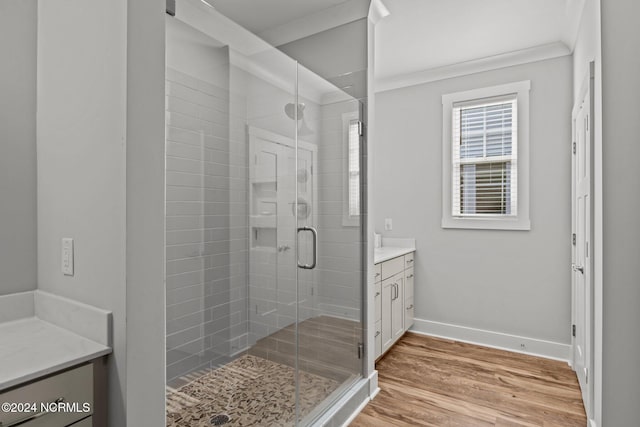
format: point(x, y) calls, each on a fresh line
point(264, 270)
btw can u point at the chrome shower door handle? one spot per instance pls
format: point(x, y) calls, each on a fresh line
point(314, 234)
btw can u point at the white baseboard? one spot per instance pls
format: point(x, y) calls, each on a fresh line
point(517, 344)
point(356, 412)
point(373, 384)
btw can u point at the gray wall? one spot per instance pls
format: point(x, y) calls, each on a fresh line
point(81, 153)
point(18, 22)
point(513, 282)
point(621, 176)
point(101, 181)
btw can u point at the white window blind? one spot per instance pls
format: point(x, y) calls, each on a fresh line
point(485, 157)
point(354, 168)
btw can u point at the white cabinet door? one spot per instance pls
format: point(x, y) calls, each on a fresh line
point(388, 293)
point(397, 307)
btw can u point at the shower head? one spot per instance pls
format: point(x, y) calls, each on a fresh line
point(289, 109)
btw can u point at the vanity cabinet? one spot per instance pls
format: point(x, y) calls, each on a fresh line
point(74, 397)
point(393, 299)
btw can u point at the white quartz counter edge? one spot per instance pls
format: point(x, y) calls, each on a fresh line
point(31, 348)
point(386, 253)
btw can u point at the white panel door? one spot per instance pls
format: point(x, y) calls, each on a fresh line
point(273, 287)
point(582, 250)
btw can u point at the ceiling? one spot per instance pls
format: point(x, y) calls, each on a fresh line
point(422, 35)
point(260, 15)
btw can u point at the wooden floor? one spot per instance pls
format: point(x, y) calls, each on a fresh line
point(427, 381)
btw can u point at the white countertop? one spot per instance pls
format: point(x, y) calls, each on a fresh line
point(392, 248)
point(42, 333)
point(31, 348)
point(389, 252)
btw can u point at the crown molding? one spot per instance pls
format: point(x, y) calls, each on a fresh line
point(509, 59)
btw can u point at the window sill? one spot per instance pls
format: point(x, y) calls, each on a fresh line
point(517, 224)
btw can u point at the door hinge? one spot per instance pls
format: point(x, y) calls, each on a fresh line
point(573, 330)
point(586, 375)
point(360, 128)
point(574, 147)
point(360, 350)
point(573, 239)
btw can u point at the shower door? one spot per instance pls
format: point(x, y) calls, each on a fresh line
point(329, 239)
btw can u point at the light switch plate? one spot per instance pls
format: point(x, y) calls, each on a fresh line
point(67, 256)
point(388, 224)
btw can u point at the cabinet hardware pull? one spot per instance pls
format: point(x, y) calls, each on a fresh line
point(377, 294)
point(377, 274)
point(410, 307)
point(377, 333)
point(410, 276)
point(31, 416)
point(409, 261)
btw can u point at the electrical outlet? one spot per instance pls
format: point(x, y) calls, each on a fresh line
point(67, 256)
point(388, 224)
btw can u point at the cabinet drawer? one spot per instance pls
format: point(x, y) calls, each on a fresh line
point(392, 266)
point(408, 260)
point(408, 283)
point(378, 301)
point(377, 273)
point(72, 388)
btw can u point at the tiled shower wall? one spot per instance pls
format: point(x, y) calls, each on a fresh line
point(206, 228)
point(339, 292)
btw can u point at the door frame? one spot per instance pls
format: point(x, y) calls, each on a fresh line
point(586, 90)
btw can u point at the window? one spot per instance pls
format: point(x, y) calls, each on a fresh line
point(485, 158)
point(351, 182)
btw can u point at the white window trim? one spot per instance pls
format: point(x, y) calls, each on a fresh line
point(347, 219)
point(519, 222)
